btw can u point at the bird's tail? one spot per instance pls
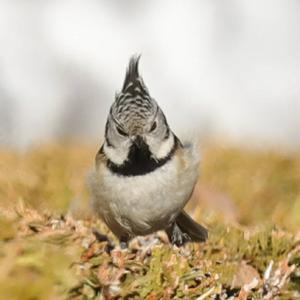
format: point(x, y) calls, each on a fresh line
point(195, 231)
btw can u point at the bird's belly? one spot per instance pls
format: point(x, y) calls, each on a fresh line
point(146, 203)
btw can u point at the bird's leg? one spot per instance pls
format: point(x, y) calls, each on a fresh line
point(176, 236)
point(103, 238)
point(124, 240)
point(100, 236)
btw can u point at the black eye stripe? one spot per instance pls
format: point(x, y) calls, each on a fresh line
point(167, 133)
point(121, 132)
point(154, 125)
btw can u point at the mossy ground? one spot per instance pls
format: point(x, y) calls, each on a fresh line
point(250, 201)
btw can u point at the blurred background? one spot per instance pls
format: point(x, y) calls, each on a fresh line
point(217, 68)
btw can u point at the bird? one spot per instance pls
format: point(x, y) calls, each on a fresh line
point(144, 175)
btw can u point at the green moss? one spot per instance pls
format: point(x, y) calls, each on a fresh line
point(48, 256)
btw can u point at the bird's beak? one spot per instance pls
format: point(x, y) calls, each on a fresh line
point(139, 141)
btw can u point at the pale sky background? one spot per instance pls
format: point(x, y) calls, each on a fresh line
point(215, 67)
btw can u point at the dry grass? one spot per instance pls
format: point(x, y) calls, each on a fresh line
point(249, 200)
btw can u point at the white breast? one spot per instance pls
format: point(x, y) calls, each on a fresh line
point(145, 203)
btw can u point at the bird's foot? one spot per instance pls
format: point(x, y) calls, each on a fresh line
point(124, 240)
point(176, 236)
point(100, 237)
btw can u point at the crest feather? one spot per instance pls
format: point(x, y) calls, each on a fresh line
point(132, 73)
point(133, 106)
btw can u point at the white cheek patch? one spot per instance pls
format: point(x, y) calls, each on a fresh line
point(115, 155)
point(164, 148)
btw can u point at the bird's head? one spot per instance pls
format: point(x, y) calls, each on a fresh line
point(136, 122)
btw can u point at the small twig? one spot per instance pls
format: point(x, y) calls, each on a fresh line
point(206, 294)
point(274, 284)
point(268, 271)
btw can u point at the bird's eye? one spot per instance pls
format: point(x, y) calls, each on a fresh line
point(154, 125)
point(121, 132)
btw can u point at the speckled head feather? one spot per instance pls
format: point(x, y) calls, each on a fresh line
point(133, 106)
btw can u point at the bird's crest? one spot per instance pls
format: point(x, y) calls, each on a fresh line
point(132, 73)
point(133, 105)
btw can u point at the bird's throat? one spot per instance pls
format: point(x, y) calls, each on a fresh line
point(140, 161)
